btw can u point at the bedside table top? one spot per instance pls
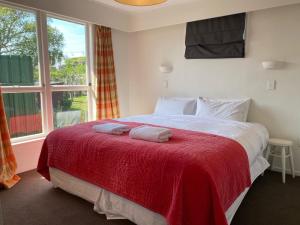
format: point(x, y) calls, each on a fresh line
point(280, 142)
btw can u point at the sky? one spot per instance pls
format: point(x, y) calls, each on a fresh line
point(74, 37)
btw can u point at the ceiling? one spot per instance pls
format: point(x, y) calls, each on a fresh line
point(132, 18)
point(133, 9)
point(182, 11)
point(172, 4)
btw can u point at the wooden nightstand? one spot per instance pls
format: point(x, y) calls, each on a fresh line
point(283, 149)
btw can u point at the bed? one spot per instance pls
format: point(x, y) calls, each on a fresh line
point(252, 137)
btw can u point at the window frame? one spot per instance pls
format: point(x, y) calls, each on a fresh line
point(45, 88)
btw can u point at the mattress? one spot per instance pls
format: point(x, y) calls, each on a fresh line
point(253, 137)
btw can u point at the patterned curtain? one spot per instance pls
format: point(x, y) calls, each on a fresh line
point(8, 164)
point(107, 98)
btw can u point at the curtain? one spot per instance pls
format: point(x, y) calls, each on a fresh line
point(8, 164)
point(107, 98)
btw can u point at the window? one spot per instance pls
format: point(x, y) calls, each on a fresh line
point(67, 55)
point(44, 71)
point(19, 67)
point(67, 63)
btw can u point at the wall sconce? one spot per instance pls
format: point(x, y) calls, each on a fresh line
point(271, 65)
point(165, 68)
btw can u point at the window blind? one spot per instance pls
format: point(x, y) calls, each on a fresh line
point(221, 37)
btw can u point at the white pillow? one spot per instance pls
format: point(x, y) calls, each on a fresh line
point(223, 109)
point(175, 106)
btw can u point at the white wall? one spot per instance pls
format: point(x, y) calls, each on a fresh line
point(27, 154)
point(122, 58)
point(271, 34)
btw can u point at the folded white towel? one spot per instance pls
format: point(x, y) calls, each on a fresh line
point(111, 128)
point(153, 134)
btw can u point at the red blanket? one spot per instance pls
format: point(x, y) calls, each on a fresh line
point(190, 180)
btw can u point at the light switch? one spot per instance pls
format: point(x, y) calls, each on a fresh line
point(271, 85)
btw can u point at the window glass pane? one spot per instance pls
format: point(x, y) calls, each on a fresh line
point(66, 52)
point(18, 48)
point(70, 107)
point(23, 112)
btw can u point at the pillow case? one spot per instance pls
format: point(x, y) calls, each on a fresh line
point(175, 106)
point(224, 109)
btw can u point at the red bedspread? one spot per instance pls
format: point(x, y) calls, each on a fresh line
point(190, 180)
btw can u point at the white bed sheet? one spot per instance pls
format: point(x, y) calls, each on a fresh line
point(253, 137)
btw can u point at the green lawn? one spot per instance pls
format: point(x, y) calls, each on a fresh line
point(81, 103)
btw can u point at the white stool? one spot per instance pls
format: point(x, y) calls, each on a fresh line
point(286, 151)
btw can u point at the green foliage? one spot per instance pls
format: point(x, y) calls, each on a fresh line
point(72, 71)
point(80, 103)
point(55, 45)
point(18, 36)
point(65, 103)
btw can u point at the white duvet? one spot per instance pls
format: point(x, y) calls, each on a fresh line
point(252, 136)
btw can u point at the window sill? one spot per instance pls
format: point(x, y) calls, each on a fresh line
point(24, 140)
